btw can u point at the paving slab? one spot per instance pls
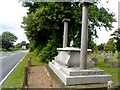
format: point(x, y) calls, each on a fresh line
point(38, 78)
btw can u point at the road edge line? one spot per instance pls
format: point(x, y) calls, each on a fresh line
point(11, 72)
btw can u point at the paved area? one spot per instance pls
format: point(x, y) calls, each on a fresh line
point(38, 78)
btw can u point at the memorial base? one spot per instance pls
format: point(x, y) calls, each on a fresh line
point(74, 76)
point(66, 67)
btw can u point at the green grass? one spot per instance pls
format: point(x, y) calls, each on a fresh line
point(0, 49)
point(15, 80)
point(112, 71)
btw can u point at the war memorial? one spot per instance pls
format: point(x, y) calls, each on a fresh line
point(72, 65)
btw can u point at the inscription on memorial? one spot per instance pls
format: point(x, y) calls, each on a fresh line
point(87, 73)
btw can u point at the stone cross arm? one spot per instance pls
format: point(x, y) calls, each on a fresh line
point(88, 1)
point(66, 20)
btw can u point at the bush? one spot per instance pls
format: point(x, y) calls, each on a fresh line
point(49, 52)
point(110, 46)
point(118, 55)
point(38, 50)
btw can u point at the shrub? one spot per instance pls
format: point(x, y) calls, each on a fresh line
point(49, 52)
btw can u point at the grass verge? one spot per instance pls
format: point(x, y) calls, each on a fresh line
point(15, 80)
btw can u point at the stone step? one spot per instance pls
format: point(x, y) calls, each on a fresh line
point(83, 79)
point(87, 79)
point(56, 64)
point(60, 65)
point(77, 72)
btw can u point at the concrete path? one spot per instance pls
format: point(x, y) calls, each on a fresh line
point(38, 78)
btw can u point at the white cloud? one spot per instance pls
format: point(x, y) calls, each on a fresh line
point(20, 34)
point(12, 11)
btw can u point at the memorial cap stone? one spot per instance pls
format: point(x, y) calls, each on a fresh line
point(66, 20)
point(88, 1)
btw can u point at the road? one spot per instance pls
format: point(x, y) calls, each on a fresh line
point(8, 60)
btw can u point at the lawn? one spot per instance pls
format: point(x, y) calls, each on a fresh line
point(112, 71)
point(15, 80)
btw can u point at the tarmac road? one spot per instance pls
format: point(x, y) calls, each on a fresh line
point(8, 60)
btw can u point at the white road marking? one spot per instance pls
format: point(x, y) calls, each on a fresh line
point(3, 57)
point(13, 54)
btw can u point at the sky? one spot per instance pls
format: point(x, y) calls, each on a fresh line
point(103, 34)
point(12, 12)
point(11, 15)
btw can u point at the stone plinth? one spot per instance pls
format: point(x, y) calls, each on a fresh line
point(70, 57)
point(67, 67)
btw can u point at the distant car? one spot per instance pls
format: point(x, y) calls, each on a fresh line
point(23, 47)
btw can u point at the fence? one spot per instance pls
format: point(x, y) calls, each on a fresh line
point(26, 73)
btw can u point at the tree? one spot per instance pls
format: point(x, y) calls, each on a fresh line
point(110, 46)
point(43, 23)
point(116, 36)
point(0, 41)
point(18, 45)
point(101, 47)
point(7, 40)
point(23, 43)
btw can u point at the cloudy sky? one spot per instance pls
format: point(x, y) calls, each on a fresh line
point(11, 16)
point(12, 12)
point(103, 34)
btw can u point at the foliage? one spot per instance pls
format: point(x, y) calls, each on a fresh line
point(23, 43)
point(47, 54)
point(43, 23)
point(101, 47)
point(116, 36)
point(110, 46)
point(0, 41)
point(7, 40)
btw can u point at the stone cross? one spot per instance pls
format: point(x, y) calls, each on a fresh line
point(65, 35)
point(84, 36)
